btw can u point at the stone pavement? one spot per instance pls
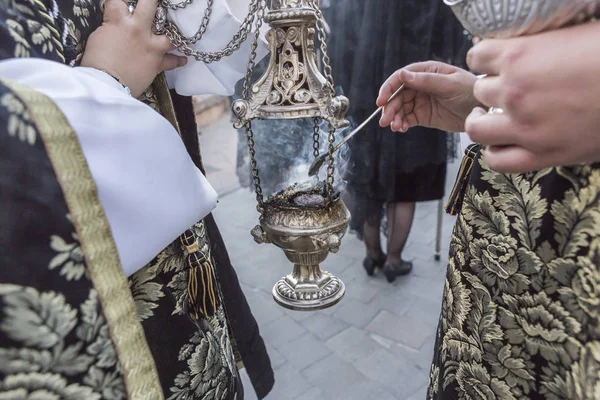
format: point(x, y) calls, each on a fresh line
point(377, 343)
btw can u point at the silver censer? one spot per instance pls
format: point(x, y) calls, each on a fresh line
point(511, 18)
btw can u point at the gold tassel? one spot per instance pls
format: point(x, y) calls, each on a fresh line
point(457, 195)
point(201, 288)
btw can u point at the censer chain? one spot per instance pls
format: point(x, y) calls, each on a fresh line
point(246, 88)
point(316, 136)
point(323, 42)
point(183, 43)
point(174, 31)
point(330, 160)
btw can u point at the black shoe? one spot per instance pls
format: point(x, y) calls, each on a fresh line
point(392, 271)
point(370, 264)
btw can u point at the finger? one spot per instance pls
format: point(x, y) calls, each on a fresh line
point(403, 123)
point(115, 10)
point(405, 119)
point(171, 61)
point(492, 129)
point(388, 88)
point(485, 57)
point(145, 10)
point(433, 83)
point(487, 91)
point(515, 159)
point(392, 108)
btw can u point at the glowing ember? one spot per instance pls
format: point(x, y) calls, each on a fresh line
point(309, 200)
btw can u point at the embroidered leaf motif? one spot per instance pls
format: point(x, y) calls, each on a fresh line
point(14, 361)
point(479, 211)
point(461, 347)
point(482, 319)
point(43, 386)
point(37, 320)
point(577, 217)
point(71, 362)
point(145, 292)
point(522, 201)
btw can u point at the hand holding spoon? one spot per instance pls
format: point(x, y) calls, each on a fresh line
point(318, 161)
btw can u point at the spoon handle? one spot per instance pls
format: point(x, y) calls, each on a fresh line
point(378, 111)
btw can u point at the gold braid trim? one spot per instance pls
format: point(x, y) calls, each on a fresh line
point(104, 267)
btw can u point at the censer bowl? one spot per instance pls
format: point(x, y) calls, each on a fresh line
point(511, 18)
point(307, 225)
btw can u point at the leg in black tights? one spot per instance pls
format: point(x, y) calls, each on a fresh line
point(400, 218)
point(372, 238)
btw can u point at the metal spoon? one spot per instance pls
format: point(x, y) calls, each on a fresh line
point(318, 161)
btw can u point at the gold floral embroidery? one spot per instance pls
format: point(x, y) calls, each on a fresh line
point(69, 258)
point(19, 121)
point(521, 306)
point(145, 292)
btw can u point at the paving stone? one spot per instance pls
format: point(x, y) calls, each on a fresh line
point(282, 331)
point(384, 367)
point(277, 359)
point(421, 358)
point(364, 390)
point(323, 326)
point(353, 344)
point(402, 329)
point(428, 289)
point(333, 375)
point(425, 310)
point(304, 351)
point(361, 290)
point(393, 300)
point(312, 394)
point(355, 313)
point(408, 385)
point(289, 384)
point(262, 305)
point(420, 394)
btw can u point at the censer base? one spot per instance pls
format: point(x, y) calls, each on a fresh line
point(309, 297)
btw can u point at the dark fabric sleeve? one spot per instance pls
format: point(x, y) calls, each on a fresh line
point(243, 324)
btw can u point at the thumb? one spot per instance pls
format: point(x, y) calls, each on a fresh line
point(171, 61)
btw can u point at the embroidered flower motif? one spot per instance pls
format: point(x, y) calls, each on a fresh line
point(542, 325)
point(19, 121)
point(500, 262)
point(69, 258)
point(581, 281)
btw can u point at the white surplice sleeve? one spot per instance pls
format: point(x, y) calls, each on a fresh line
point(150, 189)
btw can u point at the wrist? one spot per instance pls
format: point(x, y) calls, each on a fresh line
point(117, 78)
point(105, 77)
